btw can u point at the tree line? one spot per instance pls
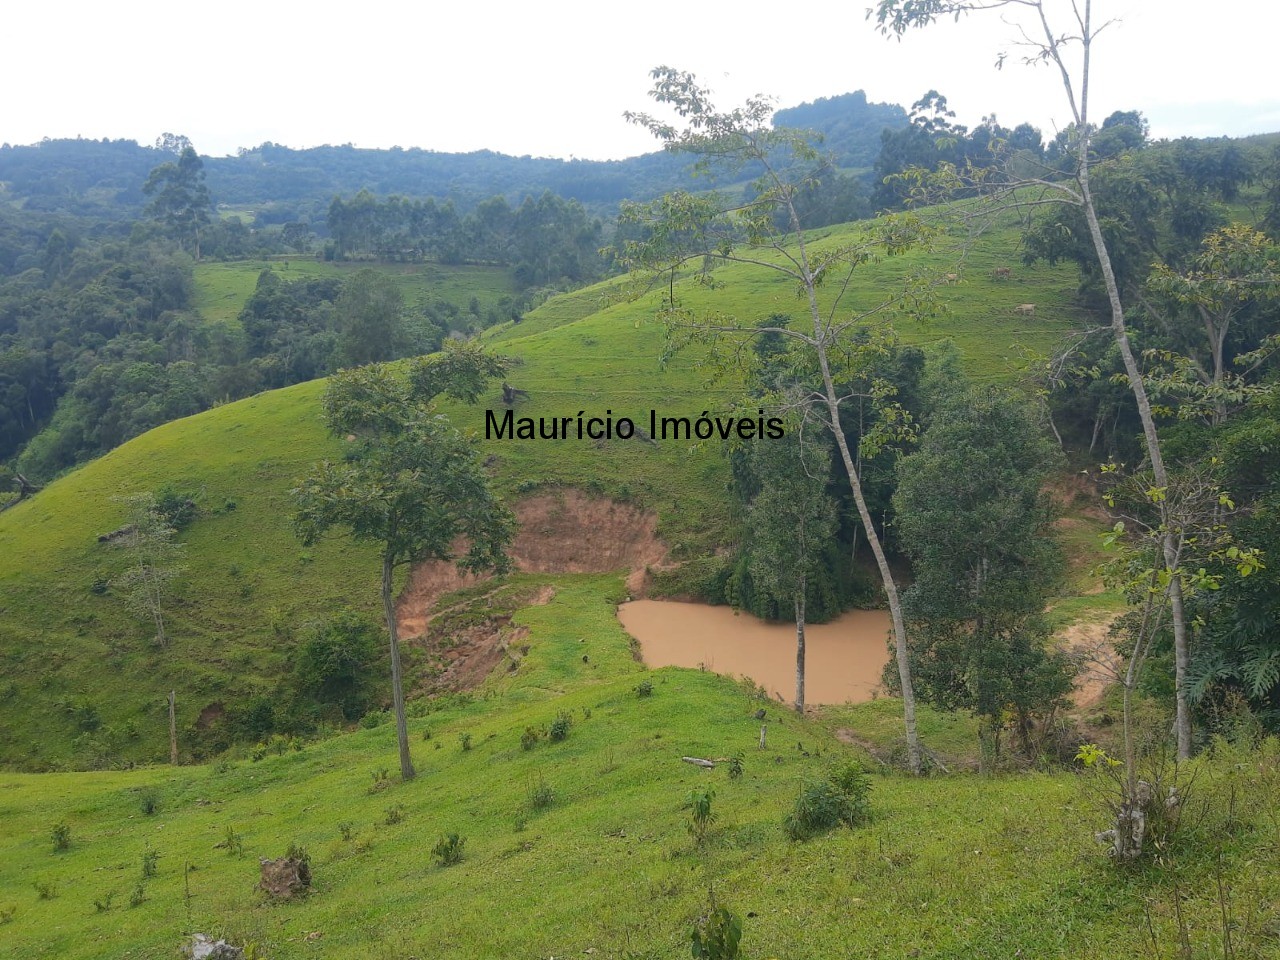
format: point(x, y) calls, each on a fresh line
point(545, 241)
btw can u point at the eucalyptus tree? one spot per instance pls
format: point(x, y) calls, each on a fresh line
point(179, 198)
point(412, 485)
point(1046, 42)
point(154, 561)
point(682, 233)
point(976, 523)
point(789, 522)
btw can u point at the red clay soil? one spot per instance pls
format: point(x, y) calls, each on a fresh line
point(562, 532)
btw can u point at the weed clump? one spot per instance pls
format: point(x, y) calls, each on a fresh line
point(559, 729)
point(842, 798)
point(529, 739)
point(61, 836)
point(541, 795)
point(448, 849)
point(149, 801)
point(150, 863)
point(701, 816)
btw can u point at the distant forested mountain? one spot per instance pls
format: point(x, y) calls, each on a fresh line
point(103, 178)
point(850, 126)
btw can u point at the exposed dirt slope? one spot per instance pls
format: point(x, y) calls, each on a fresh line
point(562, 532)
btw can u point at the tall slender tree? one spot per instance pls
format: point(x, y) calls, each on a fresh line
point(1045, 42)
point(179, 198)
point(412, 485)
point(789, 523)
point(680, 231)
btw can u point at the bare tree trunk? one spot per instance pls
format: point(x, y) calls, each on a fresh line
point(173, 729)
point(397, 689)
point(1138, 387)
point(886, 575)
point(800, 649)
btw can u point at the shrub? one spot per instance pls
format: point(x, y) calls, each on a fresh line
point(381, 780)
point(233, 843)
point(529, 739)
point(149, 801)
point(644, 689)
point(464, 741)
point(299, 853)
point(338, 663)
point(716, 935)
point(138, 897)
point(6, 914)
point(559, 729)
point(448, 849)
point(347, 829)
point(103, 904)
point(842, 798)
point(45, 890)
point(150, 862)
point(394, 815)
point(541, 795)
point(735, 766)
point(60, 835)
point(701, 816)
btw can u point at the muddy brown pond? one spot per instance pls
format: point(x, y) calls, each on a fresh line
point(843, 659)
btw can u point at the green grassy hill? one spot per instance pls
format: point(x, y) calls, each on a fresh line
point(82, 680)
point(581, 847)
point(222, 288)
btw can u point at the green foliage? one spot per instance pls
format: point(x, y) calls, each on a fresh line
point(529, 739)
point(45, 890)
point(150, 863)
point(736, 766)
point(464, 741)
point(103, 904)
point(153, 556)
point(701, 816)
point(560, 726)
point(541, 795)
point(138, 897)
point(644, 689)
point(976, 524)
point(842, 798)
point(394, 815)
point(60, 834)
point(449, 849)
point(232, 842)
point(336, 663)
point(179, 198)
point(149, 801)
point(718, 934)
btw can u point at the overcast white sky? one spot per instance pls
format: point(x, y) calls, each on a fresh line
point(552, 78)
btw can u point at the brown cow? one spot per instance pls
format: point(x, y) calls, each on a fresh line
point(1001, 273)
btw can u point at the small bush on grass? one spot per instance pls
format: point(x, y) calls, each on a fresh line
point(842, 798)
point(559, 729)
point(61, 836)
point(541, 795)
point(448, 849)
point(149, 801)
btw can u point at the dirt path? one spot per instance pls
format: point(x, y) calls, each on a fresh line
point(1088, 642)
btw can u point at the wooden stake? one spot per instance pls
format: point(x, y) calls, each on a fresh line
point(762, 731)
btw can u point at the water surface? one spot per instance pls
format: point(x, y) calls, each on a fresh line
point(843, 659)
